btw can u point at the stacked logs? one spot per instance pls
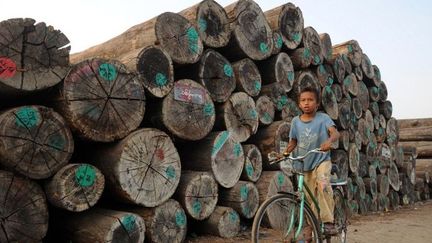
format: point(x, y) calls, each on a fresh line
point(166, 128)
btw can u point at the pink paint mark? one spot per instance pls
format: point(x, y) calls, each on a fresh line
point(160, 154)
point(7, 68)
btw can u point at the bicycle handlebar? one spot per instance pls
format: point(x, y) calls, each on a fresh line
point(317, 150)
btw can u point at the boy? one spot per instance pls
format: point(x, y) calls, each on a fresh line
point(308, 131)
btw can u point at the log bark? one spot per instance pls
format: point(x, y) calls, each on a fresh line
point(224, 222)
point(164, 223)
point(423, 165)
point(102, 225)
point(251, 36)
point(75, 187)
point(288, 19)
point(101, 100)
point(329, 102)
point(34, 141)
point(424, 148)
point(197, 192)
point(340, 158)
point(253, 163)
point(214, 72)
point(326, 46)
point(238, 116)
point(33, 57)
point(143, 168)
point(211, 21)
point(172, 32)
point(278, 68)
point(219, 153)
point(265, 110)
point(312, 41)
point(243, 198)
point(416, 134)
point(351, 49)
point(248, 77)
point(24, 211)
point(187, 111)
point(301, 58)
point(411, 123)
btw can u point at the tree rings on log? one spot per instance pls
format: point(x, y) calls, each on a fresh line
point(363, 95)
point(34, 141)
point(338, 65)
point(101, 100)
point(302, 80)
point(352, 50)
point(33, 56)
point(340, 158)
point(344, 118)
point(24, 211)
point(337, 90)
point(393, 176)
point(386, 109)
point(366, 67)
point(312, 41)
point(392, 131)
point(243, 198)
point(382, 89)
point(301, 58)
point(75, 187)
point(253, 163)
point(143, 168)
point(324, 73)
point(277, 42)
point(354, 157)
point(224, 222)
point(350, 85)
point(329, 102)
point(248, 77)
point(265, 110)
point(326, 46)
point(278, 68)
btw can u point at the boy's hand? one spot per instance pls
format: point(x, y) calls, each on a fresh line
point(326, 146)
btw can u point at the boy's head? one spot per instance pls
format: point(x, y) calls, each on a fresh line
point(308, 100)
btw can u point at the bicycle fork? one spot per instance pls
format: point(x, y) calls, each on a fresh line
point(293, 212)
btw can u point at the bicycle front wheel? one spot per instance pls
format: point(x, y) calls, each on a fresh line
point(278, 220)
point(340, 217)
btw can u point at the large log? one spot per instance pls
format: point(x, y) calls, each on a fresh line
point(363, 95)
point(278, 68)
point(416, 133)
point(277, 42)
point(172, 32)
point(351, 49)
point(326, 46)
point(301, 58)
point(373, 93)
point(197, 192)
point(371, 187)
point(224, 222)
point(356, 107)
point(24, 211)
point(324, 74)
point(101, 100)
point(265, 110)
point(290, 109)
point(187, 111)
point(214, 72)
point(344, 118)
point(383, 184)
point(411, 123)
point(34, 141)
point(101, 225)
point(302, 80)
point(393, 176)
point(143, 168)
point(238, 116)
point(243, 198)
point(211, 21)
point(219, 153)
point(251, 35)
point(253, 163)
point(347, 63)
point(312, 41)
point(424, 165)
point(350, 85)
point(329, 102)
point(276, 94)
point(248, 77)
point(288, 19)
point(164, 223)
point(75, 187)
point(338, 66)
point(340, 158)
point(382, 89)
point(358, 73)
point(386, 109)
point(33, 57)
point(344, 140)
point(353, 158)
point(367, 67)
point(424, 148)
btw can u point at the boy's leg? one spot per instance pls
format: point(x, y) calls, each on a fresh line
point(325, 192)
point(310, 181)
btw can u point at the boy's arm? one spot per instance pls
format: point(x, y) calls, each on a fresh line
point(333, 137)
point(291, 146)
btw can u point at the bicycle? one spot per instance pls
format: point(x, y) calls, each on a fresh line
point(289, 216)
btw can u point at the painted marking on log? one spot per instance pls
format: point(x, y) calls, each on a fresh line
point(222, 138)
point(233, 216)
point(267, 117)
point(170, 172)
point(129, 222)
point(279, 42)
point(257, 85)
point(27, 116)
point(330, 81)
point(180, 218)
point(296, 36)
point(350, 48)
point(208, 109)
point(317, 59)
point(161, 80)
point(306, 53)
point(348, 81)
point(290, 76)
point(108, 71)
point(160, 153)
point(246, 210)
point(192, 36)
point(57, 141)
point(228, 70)
point(85, 175)
point(249, 169)
point(244, 192)
point(253, 113)
point(263, 47)
point(281, 102)
point(328, 90)
point(196, 207)
point(280, 179)
point(321, 69)
point(237, 149)
point(189, 94)
point(7, 68)
point(202, 25)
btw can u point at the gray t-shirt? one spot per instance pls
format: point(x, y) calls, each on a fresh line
point(310, 135)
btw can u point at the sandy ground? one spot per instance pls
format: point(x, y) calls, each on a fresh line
point(408, 224)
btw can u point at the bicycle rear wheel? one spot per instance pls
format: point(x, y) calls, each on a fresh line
point(277, 220)
point(340, 217)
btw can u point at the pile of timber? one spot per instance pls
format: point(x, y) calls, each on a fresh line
point(165, 129)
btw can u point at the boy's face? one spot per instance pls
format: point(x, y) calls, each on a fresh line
point(308, 102)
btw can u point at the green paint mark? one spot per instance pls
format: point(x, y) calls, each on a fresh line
point(306, 53)
point(263, 47)
point(348, 81)
point(57, 141)
point(202, 24)
point(328, 89)
point(245, 210)
point(228, 70)
point(330, 81)
point(279, 42)
point(257, 85)
point(249, 170)
point(196, 207)
point(208, 109)
point(128, 222)
point(85, 175)
point(253, 113)
point(350, 48)
point(321, 69)
point(170, 172)
point(282, 101)
point(290, 76)
point(180, 218)
point(192, 36)
point(27, 117)
point(222, 138)
point(233, 216)
point(237, 149)
point(244, 191)
point(108, 71)
point(267, 117)
point(296, 36)
point(317, 59)
point(280, 179)
point(161, 79)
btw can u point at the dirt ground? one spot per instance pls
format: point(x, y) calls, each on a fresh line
point(408, 224)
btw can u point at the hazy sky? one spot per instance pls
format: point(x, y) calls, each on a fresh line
point(396, 35)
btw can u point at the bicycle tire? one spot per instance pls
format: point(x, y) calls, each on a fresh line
point(287, 203)
point(340, 217)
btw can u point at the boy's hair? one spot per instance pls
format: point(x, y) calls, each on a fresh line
point(312, 90)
